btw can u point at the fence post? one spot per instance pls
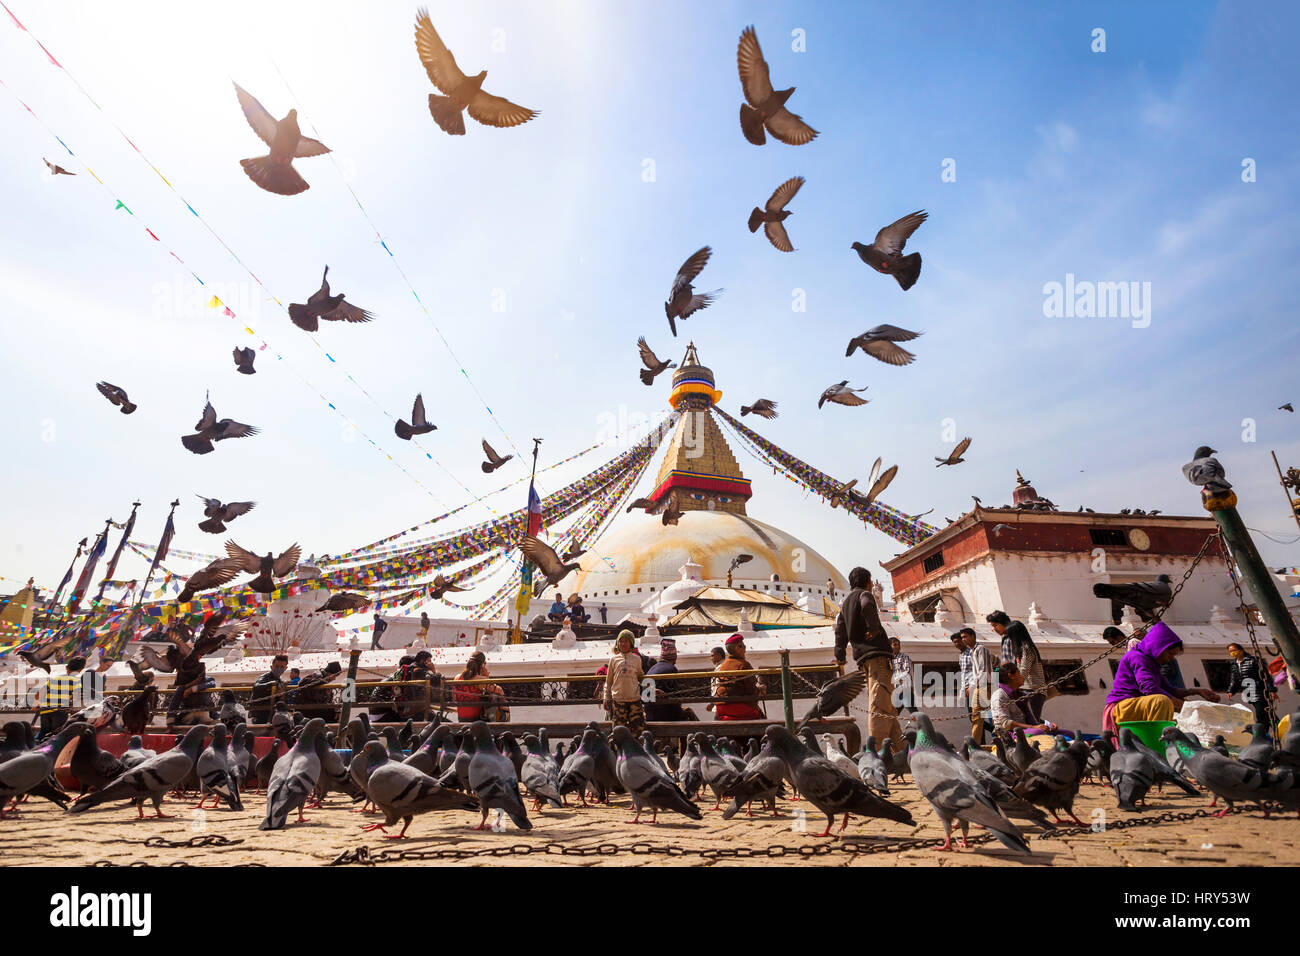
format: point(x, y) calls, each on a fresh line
point(349, 692)
point(787, 697)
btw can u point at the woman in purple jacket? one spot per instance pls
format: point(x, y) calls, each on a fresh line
point(1140, 691)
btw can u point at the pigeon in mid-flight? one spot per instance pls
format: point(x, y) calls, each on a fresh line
point(671, 515)
point(682, 300)
point(653, 364)
point(773, 215)
point(322, 305)
point(217, 513)
point(494, 461)
point(419, 425)
point(879, 344)
point(841, 394)
point(763, 408)
point(117, 396)
point(881, 483)
point(1204, 470)
point(885, 255)
point(244, 360)
point(548, 562)
point(1288, 407)
point(463, 93)
point(56, 170)
point(956, 455)
point(209, 430)
point(220, 572)
point(764, 107)
point(275, 172)
point(266, 569)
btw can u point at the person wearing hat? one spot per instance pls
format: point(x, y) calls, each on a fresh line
point(737, 694)
point(858, 625)
point(657, 708)
point(314, 697)
point(623, 676)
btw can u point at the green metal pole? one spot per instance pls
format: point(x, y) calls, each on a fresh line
point(349, 693)
point(787, 694)
point(1280, 623)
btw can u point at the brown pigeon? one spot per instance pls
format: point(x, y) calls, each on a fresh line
point(494, 461)
point(217, 513)
point(463, 92)
point(765, 107)
point(885, 255)
point(956, 455)
point(220, 572)
point(773, 215)
point(209, 430)
point(841, 394)
point(117, 396)
point(763, 408)
point(56, 170)
point(682, 300)
point(653, 365)
point(879, 344)
point(266, 569)
point(275, 172)
point(419, 425)
point(548, 562)
point(322, 305)
point(244, 360)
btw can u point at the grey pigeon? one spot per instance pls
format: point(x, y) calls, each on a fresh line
point(294, 778)
point(841, 394)
point(835, 695)
point(955, 791)
point(1144, 597)
point(492, 778)
point(540, 773)
point(872, 769)
point(425, 757)
point(1052, 781)
point(682, 300)
point(827, 787)
point(92, 766)
point(27, 771)
point(150, 778)
point(213, 769)
point(1021, 755)
point(1204, 470)
point(896, 761)
point(400, 791)
point(878, 342)
point(1259, 752)
point(239, 763)
point(981, 758)
point(761, 780)
point(334, 774)
point(1228, 779)
point(1289, 754)
point(654, 365)
point(648, 783)
point(136, 752)
point(688, 772)
point(579, 770)
point(266, 764)
point(718, 773)
point(1099, 754)
point(762, 407)
point(1135, 769)
point(885, 254)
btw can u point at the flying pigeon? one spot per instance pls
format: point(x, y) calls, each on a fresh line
point(648, 783)
point(763, 106)
point(842, 495)
point(1204, 470)
point(440, 586)
point(463, 93)
point(266, 569)
point(671, 514)
point(117, 396)
point(39, 658)
point(400, 791)
point(879, 342)
point(275, 172)
point(547, 561)
point(217, 513)
point(835, 695)
point(55, 170)
point(880, 484)
point(763, 408)
point(244, 360)
point(493, 779)
point(293, 778)
point(1286, 408)
point(645, 503)
point(209, 430)
point(220, 572)
point(885, 255)
point(494, 461)
point(841, 394)
point(1142, 596)
point(419, 424)
point(150, 778)
point(682, 300)
point(653, 364)
point(773, 215)
point(956, 456)
point(322, 305)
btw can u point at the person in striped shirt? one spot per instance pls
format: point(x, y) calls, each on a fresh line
point(57, 698)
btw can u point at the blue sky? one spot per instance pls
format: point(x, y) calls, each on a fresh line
point(542, 253)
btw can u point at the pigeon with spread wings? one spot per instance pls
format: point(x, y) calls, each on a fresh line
point(773, 215)
point(885, 255)
point(653, 364)
point(764, 107)
point(244, 360)
point(275, 172)
point(682, 300)
point(209, 430)
point(117, 396)
point(220, 572)
point(322, 305)
point(956, 455)
point(881, 483)
point(419, 425)
point(879, 344)
point(494, 461)
point(463, 93)
point(54, 169)
point(548, 562)
point(217, 513)
point(763, 408)
point(841, 394)
point(267, 568)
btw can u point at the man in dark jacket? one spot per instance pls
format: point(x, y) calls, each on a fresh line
point(1251, 679)
point(658, 708)
point(314, 699)
point(259, 710)
point(858, 625)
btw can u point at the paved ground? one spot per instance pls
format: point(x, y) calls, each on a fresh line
point(41, 834)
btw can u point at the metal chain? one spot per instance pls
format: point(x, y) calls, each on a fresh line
point(1254, 643)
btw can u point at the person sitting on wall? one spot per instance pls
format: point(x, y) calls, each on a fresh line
point(1140, 691)
point(1007, 705)
point(733, 691)
point(557, 611)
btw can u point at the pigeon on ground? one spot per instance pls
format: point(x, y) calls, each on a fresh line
point(220, 572)
point(1228, 779)
point(266, 764)
point(334, 775)
point(244, 360)
point(117, 396)
point(885, 255)
point(150, 778)
point(401, 791)
point(688, 770)
point(1052, 781)
point(136, 752)
point(463, 93)
point(841, 394)
point(956, 792)
point(761, 780)
point(872, 770)
point(322, 305)
point(827, 787)
point(763, 408)
point(419, 425)
point(773, 214)
point(1204, 470)
point(545, 559)
point(1289, 754)
point(879, 342)
point(265, 569)
point(764, 107)
point(955, 456)
point(93, 767)
point(896, 760)
point(493, 780)
point(978, 757)
point(1021, 755)
point(540, 773)
point(1099, 753)
point(425, 757)
point(275, 172)
point(217, 513)
point(1144, 597)
point(835, 752)
point(238, 757)
point(648, 783)
point(208, 430)
point(214, 773)
point(835, 695)
point(579, 769)
point(56, 170)
point(653, 364)
point(682, 301)
point(294, 778)
point(717, 772)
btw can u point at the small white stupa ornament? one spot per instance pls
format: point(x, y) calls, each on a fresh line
point(1130, 619)
point(1219, 617)
point(744, 625)
point(651, 634)
point(1037, 619)
point(488, 642)
point(941, 615)
point(565, 636)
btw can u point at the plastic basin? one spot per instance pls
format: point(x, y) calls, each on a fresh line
point(1148, 731)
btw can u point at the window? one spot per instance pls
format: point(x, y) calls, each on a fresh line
point(934, 562)
point(1108, 537)
point(1219, 674)
point(1075, 684)
point(923, 610)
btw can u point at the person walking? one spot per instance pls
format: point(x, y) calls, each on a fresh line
point(901, 675)
point(1019, 648)
point(976, 674)
point(858, 624)
point(380, 626)
point(623, 685)
point(1251, 679)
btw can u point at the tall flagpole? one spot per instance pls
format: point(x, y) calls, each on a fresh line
point(517, 635)
point(54, 601)
point(83, 583)
point(145, 587)
point(112, 565)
